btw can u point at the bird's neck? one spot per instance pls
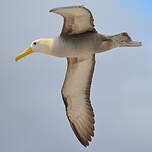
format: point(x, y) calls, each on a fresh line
point(56, 47)
point(50, 46)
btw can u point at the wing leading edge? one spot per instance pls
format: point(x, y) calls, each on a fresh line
point(77, 19)
point(76, 96)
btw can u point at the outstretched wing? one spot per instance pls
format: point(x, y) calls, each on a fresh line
point(77, 19)
point(76, 96)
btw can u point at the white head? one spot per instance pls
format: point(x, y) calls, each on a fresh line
point(40, 46)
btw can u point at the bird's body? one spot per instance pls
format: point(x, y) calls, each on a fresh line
point(77, 45)
point(79, 42)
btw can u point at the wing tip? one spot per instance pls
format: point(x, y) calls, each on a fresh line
point(50, 11)
point(85, 143)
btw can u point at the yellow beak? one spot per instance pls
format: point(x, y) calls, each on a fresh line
point(23, 54)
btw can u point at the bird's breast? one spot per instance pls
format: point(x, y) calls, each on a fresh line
point(74, 46)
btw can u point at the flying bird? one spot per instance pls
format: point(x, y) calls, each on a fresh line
point(78, 42)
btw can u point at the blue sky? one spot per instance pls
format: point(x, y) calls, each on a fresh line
point(32, 114)
point(140, 5)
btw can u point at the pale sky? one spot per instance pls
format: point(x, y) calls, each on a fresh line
point(32, 113)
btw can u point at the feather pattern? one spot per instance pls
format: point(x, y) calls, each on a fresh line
point(76, 96)
point(77, 19)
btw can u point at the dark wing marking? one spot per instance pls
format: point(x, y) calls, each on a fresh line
point(77, 19)
point(76, 96)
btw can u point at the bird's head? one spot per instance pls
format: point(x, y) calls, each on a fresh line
point(40, 46)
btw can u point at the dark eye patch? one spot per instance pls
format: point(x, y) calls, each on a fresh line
point(34, 43)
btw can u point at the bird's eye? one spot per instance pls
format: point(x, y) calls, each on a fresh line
point(34, 43)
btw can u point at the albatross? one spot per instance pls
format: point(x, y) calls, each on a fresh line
point(78, 42)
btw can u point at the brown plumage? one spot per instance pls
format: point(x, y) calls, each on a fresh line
point(77, 101)
point(82, 41)
point(78, 42)
point(77, 19)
